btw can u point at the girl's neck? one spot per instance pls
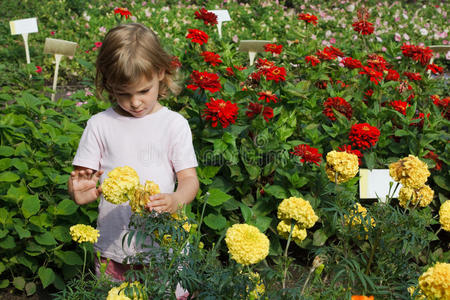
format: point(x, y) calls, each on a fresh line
point(124, 113)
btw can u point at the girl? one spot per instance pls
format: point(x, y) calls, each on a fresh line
point(137, 131)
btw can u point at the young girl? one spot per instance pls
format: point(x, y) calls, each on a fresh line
point(137, 131)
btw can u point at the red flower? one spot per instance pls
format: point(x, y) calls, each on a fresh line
point(373, 74)
point(444, 104)
point(362, 297)
point(392, 75)
point(399, 106)
point(421, 117)
point(52, 32)
point(435, 69)
point(98, 44)
point(417, 53)
point(219, 110)
point(276, 74)
point(333, 52)
point(124, 12)
point(208, 18)
point(403, 87)
point(363, 135)
point(325, 55)
point(211, 57)
point(256, 76)
point(348, 149)
point(312, 59)
point(175, 62)
point(308, 18)
point(307, 154)
point(197, 36)
point(368, 93)
point(363, 27)
point(38, 69)
point(435, 157)
point(205, 80)
point(339, 104)
point(351, 63)
point(413, 76)
point(264, 63)
point(377, 62)
point(274, 48)
point(230, 71)
point(268, 96)
point(256, 108)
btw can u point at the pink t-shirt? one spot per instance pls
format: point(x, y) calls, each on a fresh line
point(157, 146)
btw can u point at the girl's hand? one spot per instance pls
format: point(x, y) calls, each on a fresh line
point(162, 203)
point(83, 185)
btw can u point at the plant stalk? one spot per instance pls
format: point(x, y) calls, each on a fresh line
point(285, 255)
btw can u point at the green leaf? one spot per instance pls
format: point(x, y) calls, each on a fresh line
point(19, 283)
point(22, 232)
point(4, 283)
point(46, 239)
point(30, 205)
point(5, 163)
point(6, 151)
point(319, 238)
point(441, 182)
point(369, 158)
point(8, 243)
point(2, 267)
point(9, 177)
point(263, 223)
point(46, 275)
point(247, 213)
point(17, 193)
point(216, 222)
point(401, 132)
point(66, 207)
point(253, 171)
point(298, 181)
point(276, 191)
point(70, 258)
point(28, 261)
point(3, 233)
point(217, 197)
point(30, 288)
point(61, 233)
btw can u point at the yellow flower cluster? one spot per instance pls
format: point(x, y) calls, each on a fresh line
point(118, 293)
point(357, 217)
point(246, 244)
point(186, 225)
point(421, 196)
point(444, 215)
point(84, 233)
point(284, 228)
point(299, 210)
point(260, 288)
point(142, 194)
point(120, 185)
point(410, 171)
point(435, 282)
point(341, 166)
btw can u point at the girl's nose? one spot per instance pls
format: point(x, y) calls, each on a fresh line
point(135, 102)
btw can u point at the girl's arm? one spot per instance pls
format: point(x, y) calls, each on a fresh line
point(82, 185)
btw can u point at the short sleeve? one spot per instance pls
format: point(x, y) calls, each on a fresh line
point(89, 149)
point(182, 154)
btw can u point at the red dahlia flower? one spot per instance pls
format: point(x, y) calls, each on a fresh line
point(255, 109)
point(197, 36)
point(413, 76)
point(274, 48)
point(312, 59)
point(267, 96)
point(333, 52)
point(351, 63)
point(325, 55)
point(368, 93)
point(208, 18)
point(264, 63)
point(308, 18)
point(420, 117)
point(348, 149)
point(211, 57)
point(417, 53)
point(399, 106)
point(377, 62)
point(205, 80)
point(276, 74)
point(219, 110)
point(364, 135)
point(339, 104)
point(124, 12)
point(435, 69)
point(363, 27)
point(373, 74)
point(307, 154)
point(392, 75)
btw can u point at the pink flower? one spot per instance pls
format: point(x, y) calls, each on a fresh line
point(332, 41)
point(98, 44)
point(396, 19)
point(87, 92)
point(447, 56)
point(406, 36)
point(443, 35)
point(397, 37)
point(52, 32)
point(102, 29)
point(80, 103)
point(235, 38)
point(38, 69)
point(383, 49)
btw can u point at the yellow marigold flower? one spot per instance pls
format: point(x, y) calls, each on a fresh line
point(298, 209)
point(421, 196)
point(186, 225)
point(260, 288)
point(357, 216)
point(246, 244)
point(344, 164)
point(444, 215)
point(116, 294)
point(409, 171)
point(120, 185)
point(435, 282)
point(84, 233)
point(284, 228)
point(142, 194)
point(411, 291)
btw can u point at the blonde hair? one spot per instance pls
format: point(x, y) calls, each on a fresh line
point(129, 52)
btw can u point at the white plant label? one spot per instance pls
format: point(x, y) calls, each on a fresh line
point(222, 16)
point(375, 184)
point(24, 27)
point(252, 47)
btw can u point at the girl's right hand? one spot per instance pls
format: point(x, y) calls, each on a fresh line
point(83, 185)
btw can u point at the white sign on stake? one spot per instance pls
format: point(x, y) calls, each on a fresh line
point(222, 16)
point(375, 184)
point(24, 27)
point(58, 48)
point(252, 46)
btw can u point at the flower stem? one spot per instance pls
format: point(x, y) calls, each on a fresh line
point(286, 255)
point(306, 282)
point(372, 254)
point(84, 262)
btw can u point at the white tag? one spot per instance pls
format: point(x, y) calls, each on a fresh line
point(222, 15)
point(54, 46)
point(23, 26)
point(375, 184)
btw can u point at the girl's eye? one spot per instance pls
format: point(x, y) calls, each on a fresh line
point(145, 91)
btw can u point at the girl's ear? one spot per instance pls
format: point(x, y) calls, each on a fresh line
point(161, 74)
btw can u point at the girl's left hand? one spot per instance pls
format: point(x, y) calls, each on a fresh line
point(162, 203)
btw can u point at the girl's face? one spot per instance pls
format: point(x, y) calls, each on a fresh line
point(141, 98)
